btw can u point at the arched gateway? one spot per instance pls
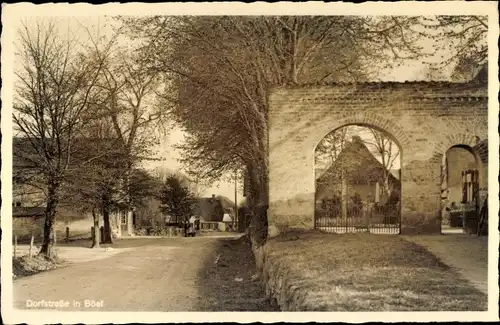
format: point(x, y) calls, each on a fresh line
point(424, 118)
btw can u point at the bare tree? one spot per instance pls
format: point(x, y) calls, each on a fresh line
point(331, 146)
point(463, 39)
point(385, 149)
point(94, 187)
point(54, 93)
point(131, 111)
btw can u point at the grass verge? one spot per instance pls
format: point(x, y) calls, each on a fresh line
point(230, 282)
point(24, 266)
point(365, 272)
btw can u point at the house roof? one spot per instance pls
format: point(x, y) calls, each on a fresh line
point(482, 74)
point(27, 211)
point(227, 204)
point(395, 172)
point(359, 164)
point(212, 208)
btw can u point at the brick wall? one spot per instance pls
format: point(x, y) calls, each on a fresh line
point(425, 119)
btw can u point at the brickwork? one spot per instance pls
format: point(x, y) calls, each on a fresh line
point(424, 118)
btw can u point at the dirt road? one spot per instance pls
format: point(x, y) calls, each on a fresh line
point(172, 274)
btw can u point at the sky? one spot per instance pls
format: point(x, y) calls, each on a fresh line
point(166, 153)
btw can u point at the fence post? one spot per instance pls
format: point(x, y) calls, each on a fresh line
point(30, 254)
point(67, 234)
point(54, 253)
point(15, 246)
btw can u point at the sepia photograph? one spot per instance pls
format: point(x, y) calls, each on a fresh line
point(169, 159)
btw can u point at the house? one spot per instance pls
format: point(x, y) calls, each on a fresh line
point(212, 209)
point(149, 213)
point(361, 172)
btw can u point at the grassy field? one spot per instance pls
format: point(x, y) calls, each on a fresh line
point(364, 272)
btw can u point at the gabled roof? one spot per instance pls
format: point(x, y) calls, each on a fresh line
point(482, 74)
point(227, 204)
point(359, 164)
point(212, 208)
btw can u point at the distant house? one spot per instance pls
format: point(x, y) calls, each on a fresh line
point(362, 172)
point(150, 213)
point(213, 208)
point(27, 212)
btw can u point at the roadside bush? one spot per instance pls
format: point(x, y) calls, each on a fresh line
point(141, 232)
point(158, 231)
point(24, 266)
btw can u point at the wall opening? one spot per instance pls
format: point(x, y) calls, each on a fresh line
point(358, 181)
point(460, 184)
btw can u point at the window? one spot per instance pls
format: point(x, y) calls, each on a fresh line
point(123, 218)
point(470, 185)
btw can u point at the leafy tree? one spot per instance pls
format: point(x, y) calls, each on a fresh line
point(176, 199)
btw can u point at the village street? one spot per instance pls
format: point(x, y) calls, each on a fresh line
point(153, 274)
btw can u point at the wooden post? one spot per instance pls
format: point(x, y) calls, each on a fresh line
point(235, 217)
point(67, 234)
point(53, 253)
point(30, 254)
point(15, 246)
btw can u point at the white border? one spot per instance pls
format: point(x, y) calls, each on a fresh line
point(12, 12)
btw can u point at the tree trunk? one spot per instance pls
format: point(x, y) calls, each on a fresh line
point(130, 222)
point(130, 211)
point(96, 238)
point(108, 238)
point(258, 202)
point(50, 218)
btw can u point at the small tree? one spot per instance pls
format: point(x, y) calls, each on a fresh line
point(176, 199)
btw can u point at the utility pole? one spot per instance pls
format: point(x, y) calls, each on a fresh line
point(236, 199)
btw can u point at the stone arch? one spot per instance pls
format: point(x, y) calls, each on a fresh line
point(467, 141)
point(390, 129)
point(371, 120)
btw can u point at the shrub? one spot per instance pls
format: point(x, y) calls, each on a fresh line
point(141, 232)
point(158, 231)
